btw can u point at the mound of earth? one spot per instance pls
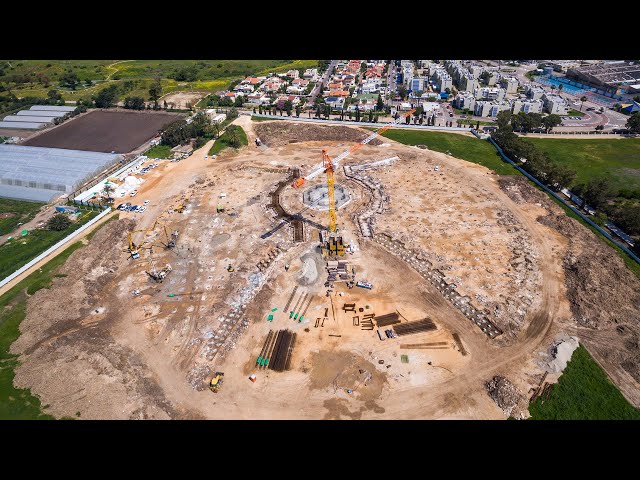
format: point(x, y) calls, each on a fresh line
point(277, 133)
point(507, 396)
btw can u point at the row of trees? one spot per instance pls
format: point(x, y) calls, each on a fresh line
point(527, 122)
point(534, 161)
point(200, 128)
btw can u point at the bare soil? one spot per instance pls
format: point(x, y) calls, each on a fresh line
point(106, 131)
point(89, 345)
point(278, 133)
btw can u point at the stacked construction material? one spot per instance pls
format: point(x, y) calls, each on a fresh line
point(388, 319)
point(277, 350)
point(419, 326)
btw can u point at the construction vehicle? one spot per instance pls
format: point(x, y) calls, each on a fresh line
point(170, 239)
point(230, 268)
point(157, 275)
point(216, 382)
point(133, 248)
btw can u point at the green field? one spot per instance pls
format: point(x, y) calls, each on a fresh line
point(135, 76)
point(461, 146)
point(584, 392)
point(223, 142)
point(618, 159)
point(575, 113)
point(22, 213)
point(17, 403)
point(21, 250)
point(159, 151)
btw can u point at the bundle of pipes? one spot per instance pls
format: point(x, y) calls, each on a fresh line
point(388, 319)
point(419, 326)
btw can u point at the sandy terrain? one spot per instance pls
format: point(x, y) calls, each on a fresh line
point(181, 100)
point(89, 345)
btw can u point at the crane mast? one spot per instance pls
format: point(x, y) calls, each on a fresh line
point(328, 165)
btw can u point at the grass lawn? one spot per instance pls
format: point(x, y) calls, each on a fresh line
point(159, 151)
point(21, 250)
point(584, 392)
point(223, 142)
point(461, 146)
point(618, 159)
point(23, 212)
point(575, 113)
point(18, 403)
point(262, 119)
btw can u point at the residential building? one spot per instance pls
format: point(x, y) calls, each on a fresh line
point(335, 102)
point(418, 84)
point(526, 106)
point(489, 93)
point(485, 108)
point(310, 73)
point(442, 79)
point(554, 103)
point(293, 73)
point(464, 101)
point(244, 88)
point(510, 84)
point(534, 92)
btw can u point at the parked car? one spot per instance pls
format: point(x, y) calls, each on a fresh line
point(141, 209)
point(146, 202)
point(133, 194)
point(122, 194)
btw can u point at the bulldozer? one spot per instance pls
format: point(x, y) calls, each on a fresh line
point(216, 382)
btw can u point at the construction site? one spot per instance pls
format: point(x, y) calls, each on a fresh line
point(322, 272)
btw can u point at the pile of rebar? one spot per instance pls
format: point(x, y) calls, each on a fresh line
point(456, 338)
point(388, 319)
point(419, 326)
point(277, 351)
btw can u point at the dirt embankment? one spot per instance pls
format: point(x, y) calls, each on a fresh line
point(68, 354)
point(277, 133)
point(604, 294)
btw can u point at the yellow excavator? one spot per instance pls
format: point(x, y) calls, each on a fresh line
point(216, 382)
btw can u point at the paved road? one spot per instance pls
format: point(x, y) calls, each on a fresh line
point(321, 83)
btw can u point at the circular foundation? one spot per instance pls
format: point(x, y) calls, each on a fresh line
point(317, 197)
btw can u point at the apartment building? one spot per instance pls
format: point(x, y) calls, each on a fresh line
point(534, 92)
point(485, 108)
point(489, 93)
point(510, 84)
point(464, 101)
point(554, 103)
point(526, 106)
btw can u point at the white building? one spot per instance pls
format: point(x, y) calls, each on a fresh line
point(490, 109)
point(489, 93)
point(534, 92)
point(527, 106)
point(510, 84)
point(464, 101)
point(442, 79)
point(554, 103)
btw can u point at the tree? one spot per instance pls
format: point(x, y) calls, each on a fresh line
point(298, 111)
point(379, 103)
point(582, 100)
point(108, 189)
point(233, 138)
point(599, 128)
point(551, 121)
point(503, 118)
point(561, 176)
point(633, 123)
point(597, 191)
point(484, 77)
point(238, 102)
point(402, 92)
point(53, 96)
point(134, 103)
point(106, 97)
point(58, 222)
point(560, 87)
point(288, 107)
point(260, 109)
point(155, 92)
point(233, 114)
point(70, 79)
point(215, 129)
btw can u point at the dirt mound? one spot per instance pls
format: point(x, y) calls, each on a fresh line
point(507, 396)
point(519, 190)
point(277, 133)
